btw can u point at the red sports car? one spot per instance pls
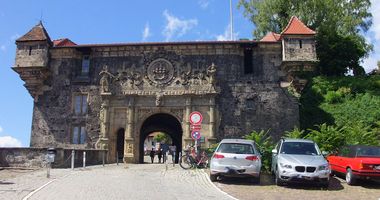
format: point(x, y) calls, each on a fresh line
point(356, 162)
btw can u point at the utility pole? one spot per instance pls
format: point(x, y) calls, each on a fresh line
point(231, 22)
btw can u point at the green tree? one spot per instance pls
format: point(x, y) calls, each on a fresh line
point(339, 23)
point(162, 138)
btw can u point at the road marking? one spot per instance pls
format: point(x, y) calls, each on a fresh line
point(225, 193)
point(40, 188)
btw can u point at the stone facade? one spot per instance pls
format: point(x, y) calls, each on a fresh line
point(235, 85)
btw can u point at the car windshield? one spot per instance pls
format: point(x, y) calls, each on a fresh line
point(235, 148)
point(300, 148)
point(368, 152)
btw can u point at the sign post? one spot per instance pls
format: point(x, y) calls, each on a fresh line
point(196, 121)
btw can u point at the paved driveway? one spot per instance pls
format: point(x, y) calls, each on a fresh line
point(267, 190)
point(144, 181)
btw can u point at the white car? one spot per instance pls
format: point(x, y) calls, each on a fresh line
point(236, 158)
point(299, 160)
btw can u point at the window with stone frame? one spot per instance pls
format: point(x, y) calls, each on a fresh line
point(250, 104)
point(78, 135)
point(85, 65)
point(80, 104)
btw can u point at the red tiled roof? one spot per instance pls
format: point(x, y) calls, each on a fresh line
point(271, 37)
point(296, 27)
point(64, 42)
point(37, 33)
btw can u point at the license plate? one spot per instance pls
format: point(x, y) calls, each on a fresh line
point(377, 167)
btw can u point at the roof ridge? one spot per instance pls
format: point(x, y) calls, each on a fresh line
point(298, 27)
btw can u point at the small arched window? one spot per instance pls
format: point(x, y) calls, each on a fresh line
point(300, 43)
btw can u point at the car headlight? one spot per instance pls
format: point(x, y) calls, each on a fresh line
point(323, 167)
point(285, 165)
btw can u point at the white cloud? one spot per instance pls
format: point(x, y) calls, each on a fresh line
point(1, 129)
point(204, 3)
point(176, 27)
point(3, 48)
point(146, 32)
point(227, 34)
point(373, 36)
point(9, 141)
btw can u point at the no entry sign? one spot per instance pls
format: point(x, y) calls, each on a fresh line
point(196, 135)
point(196, 117)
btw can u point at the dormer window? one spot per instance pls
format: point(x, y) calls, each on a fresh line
point(300, 43)
point(85, 65)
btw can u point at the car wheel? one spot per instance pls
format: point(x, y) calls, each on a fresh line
point(255, 180)
point(350, 179)
point(213, 177)
point(277, 179)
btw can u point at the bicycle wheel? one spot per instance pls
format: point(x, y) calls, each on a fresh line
point(185, 162)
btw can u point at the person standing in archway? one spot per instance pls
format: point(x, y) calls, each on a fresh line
point(152, 153)
point(164, 149)
point(159, 154)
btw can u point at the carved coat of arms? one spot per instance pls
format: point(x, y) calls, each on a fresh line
point(160, 71)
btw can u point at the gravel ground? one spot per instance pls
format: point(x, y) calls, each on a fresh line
point(338, 189)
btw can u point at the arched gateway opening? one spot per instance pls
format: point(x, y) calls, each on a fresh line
point(164, 123)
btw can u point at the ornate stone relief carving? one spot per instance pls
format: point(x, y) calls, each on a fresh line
point(105, 80)
point(160, 72)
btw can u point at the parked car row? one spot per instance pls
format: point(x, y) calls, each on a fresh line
point(295, 160)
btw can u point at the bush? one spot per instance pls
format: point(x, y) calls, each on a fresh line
point(329, 138)
point(358, 133)
point(265, 145)
point(296, 133)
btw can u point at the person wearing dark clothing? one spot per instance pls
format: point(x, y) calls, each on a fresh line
point(164, 149)
point(159, 155)
point(152, 153)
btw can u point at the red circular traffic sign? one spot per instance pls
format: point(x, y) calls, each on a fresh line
point(196, 117)
point(196, 135)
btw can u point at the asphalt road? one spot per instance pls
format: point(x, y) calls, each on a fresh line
point(143, 181)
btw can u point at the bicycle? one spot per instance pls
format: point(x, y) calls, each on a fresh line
point(190, 160)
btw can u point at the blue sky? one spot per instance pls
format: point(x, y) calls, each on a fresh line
point(95, 21)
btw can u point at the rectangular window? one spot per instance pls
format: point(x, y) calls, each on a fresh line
point(250, 103)
point(79, 135)
point(248, 62)
point(85, 65)
point(80, 104)
point(300, 43)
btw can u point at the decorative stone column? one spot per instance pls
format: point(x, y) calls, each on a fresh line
point(212, 138)
point(129, 140)
point(102, 143)
point(186, 128)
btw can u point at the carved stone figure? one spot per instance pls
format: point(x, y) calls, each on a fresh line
point(185, 77)
point(137, 78)
point(211, 72)
point(202, 78)
point(105, 79)
point(129, 148)
point(158, 98)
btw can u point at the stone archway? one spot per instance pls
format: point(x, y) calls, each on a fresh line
point(164, 123)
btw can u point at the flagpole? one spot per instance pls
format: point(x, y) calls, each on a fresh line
point(231, 22)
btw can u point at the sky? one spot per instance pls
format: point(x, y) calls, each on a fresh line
point(114, 21)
